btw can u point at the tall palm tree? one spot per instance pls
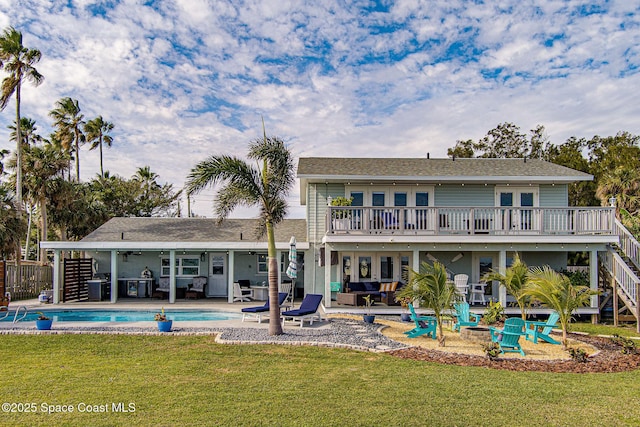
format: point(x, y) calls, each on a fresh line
point(515, 280)
point(556, 291)
point(265, 184)
point(18, 61)
point(97, 133)
point(431, 287)
point(43, 164)
point(69, 121)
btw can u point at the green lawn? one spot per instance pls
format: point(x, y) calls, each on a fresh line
point(188, 380)
point(624, 330)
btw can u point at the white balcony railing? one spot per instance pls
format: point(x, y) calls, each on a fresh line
point(459, 220)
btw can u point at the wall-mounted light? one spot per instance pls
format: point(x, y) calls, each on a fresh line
point(202, 256)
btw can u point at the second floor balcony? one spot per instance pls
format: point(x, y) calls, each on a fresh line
point(470, 220)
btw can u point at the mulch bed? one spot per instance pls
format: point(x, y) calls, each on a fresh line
point(608, 359)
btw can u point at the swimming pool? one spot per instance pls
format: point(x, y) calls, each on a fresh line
point(126, 315)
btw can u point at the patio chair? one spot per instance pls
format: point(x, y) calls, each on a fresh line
point(258, 311)
point(535, 330)
point(425, 325)
point(288, 288)
point(461, 283)
point(477, 293)
point(308, 310)
point(464, 317)
point(162, 291)
point(508, 337)
point(240, 294)
point(196, 289)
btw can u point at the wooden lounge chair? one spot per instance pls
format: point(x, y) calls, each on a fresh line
point(535, 330)
point(308, 310)
point(464, 317)
point(259, 311)
point(508, 337)
point(425, 325)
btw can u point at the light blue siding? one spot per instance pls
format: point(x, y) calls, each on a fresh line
point(554, 196)
point(466, 196)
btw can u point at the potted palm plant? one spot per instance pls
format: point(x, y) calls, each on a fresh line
point(368, 317)
point(341, 218)
point(43, 323)
point(164, 325)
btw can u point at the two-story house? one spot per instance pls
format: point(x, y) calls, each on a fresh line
point(472, 215)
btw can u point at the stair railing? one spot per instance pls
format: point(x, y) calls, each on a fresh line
point(628, 244)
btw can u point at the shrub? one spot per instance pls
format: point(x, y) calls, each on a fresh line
point(492, 350)
point(493, 313)
point(627, 344)
point(578, 354)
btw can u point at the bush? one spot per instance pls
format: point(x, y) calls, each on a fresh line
point(627, 344)
point(578, 354)
point(492, 350)
point(494, 313)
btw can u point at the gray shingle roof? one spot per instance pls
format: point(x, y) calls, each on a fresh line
point(192, 230)
point(424, 169)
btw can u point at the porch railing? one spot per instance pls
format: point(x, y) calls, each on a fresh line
point(626, 280)
point(466, 220)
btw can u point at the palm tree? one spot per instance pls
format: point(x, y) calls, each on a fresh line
point(431, 287)
point(68, 120)
point(18, 61)
point(97, 133)
point(12, 225)
point(27, 132)
point(266, 184)
point(515, 280)
point(556, 291)
point(43, 164)
point(621, 183)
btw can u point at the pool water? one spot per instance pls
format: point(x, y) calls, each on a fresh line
point(125, 315)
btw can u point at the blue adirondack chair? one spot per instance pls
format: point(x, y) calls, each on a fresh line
point(464, 317)
point(425, 325)
point(535, 330)
point(508, 337)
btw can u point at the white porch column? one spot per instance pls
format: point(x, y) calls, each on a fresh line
point(114, 276)
point(231, 271)
point(172, 276)
point(593, 276)
point(327, 276)
point(415, 262)
point(502, 268)
point(56, 276)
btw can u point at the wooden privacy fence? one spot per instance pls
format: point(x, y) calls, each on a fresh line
point(33, 279)
point(76, 273)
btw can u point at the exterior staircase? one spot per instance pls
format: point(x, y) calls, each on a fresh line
point(622, 265)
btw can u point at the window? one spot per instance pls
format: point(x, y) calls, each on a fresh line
point(377, 198)
point(358, 198)
point(400, 199)
point(386, 268)
point(185, 266)
point(422, 199)
point(263, 265)
point(364, 267)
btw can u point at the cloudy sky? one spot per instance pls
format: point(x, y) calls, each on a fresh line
point(185, 79)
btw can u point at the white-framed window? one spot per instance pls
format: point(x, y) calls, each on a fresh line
point(186, 266)
point(401, 195)
point(262, 261)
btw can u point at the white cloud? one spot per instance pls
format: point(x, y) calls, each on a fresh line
point(187, 79)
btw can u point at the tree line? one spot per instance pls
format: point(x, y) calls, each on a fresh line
point(614, 162)
point(41, 188)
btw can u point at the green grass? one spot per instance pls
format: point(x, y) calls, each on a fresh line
point(187, 380)
point(624, 330)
